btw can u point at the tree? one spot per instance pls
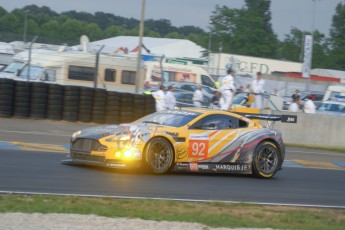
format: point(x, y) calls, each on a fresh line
point(246, 31)
point(337, 38)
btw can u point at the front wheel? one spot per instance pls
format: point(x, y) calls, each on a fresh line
point(266, 160)
point(159, 155)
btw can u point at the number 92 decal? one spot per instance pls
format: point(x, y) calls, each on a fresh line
point(198, 146)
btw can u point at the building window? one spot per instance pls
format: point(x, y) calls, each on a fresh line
point(128, 77)
point(81, 73)
point(110, 75)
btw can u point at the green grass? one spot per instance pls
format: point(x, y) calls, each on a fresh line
point(211, 214)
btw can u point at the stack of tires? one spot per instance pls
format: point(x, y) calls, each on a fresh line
point(55, 102)
point(86, 104)
point(127, 107)
point(22, 99)
point(112, 113)
point(150, 104)
point(39, 97)
point(99, 104)
point(6, 97)
point(138, 106)
point(71, 103)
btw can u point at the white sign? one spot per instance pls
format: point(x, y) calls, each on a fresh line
point(308, 51)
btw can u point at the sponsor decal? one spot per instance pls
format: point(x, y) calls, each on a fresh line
point(181, 151)
point(193, 167)
point(172, 134)
point(232, 167)
point(204, 167)
point(116, 165)
point(198, 145)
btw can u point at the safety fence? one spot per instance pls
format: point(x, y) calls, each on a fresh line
point(39, 100)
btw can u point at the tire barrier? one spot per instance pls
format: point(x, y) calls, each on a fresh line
point(71, 103)
point(22, 99)
point(55, 102)
point(112, 112)
point(39, 97)
point(127, 108)
point(6, 97)
point(86, 104)
point(39, 100)
point(99, 104)
point(150, 104)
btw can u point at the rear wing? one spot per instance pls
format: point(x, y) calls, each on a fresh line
point(271, 117)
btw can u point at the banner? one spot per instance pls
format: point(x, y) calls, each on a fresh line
point(308, 51)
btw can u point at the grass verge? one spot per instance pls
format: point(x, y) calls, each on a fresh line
point(211, 214)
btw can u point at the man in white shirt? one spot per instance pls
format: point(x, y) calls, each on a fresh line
point(294, 106)
point(227, 89)
point(160, 98)
point(170, 100)
point(309, 106)
point(197, 97)
point(258, 90)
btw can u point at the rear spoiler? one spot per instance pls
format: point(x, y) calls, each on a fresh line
point(271, 117)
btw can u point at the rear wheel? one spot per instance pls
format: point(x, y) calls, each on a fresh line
point(266, 160)
point(159, 155)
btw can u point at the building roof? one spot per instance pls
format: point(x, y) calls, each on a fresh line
point(156, 46)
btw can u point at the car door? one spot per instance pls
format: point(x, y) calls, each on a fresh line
point(208, 136)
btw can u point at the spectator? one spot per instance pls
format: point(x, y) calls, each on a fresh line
point(309, 106)
point(258, 90)
point(295, 95)
point(170, 100)
point(227, 89)
point(160, 98)
point(198, 97)
point(215, 100)
point(295, 106)
point(247, 89)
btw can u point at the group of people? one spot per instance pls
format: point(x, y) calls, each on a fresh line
point(164, 100)
point(223, 98)
point(295, 106)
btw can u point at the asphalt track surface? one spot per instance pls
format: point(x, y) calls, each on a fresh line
point(30, 162)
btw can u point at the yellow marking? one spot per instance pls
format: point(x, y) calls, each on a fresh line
point(317, 164)
point(40, 147)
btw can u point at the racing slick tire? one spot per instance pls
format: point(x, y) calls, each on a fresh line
point(266, 160)
point(159, 155)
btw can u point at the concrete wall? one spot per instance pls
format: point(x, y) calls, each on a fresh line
point(313, 129)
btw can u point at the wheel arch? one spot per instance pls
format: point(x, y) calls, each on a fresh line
point(154, 137)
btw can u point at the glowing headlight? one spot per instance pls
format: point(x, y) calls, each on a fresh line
point(128, 153)
point(75, 134)
point(125, 138)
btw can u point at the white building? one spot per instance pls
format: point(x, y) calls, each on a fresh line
point(157, 46)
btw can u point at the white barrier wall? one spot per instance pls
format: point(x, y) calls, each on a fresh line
point(313, 129)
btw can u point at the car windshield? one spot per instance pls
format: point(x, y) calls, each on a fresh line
point(13, 67)
point(332, 107)
point(175, 118)
point(35, 72)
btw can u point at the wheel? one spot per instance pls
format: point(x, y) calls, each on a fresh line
point(266, 160)
point(159, 155)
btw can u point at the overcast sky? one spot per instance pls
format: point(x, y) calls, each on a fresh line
point(286, 14)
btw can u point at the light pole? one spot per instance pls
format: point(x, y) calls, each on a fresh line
point(141, 32)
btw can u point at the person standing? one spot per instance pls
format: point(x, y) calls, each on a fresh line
point(295, 95)
point(170, 100)
point(227, 89)
point(309, 106)
point(295, 106)
point(258, 90)
point(160, 98)
point(198, 97)
point(215, 100)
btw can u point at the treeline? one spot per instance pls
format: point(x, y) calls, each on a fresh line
point(245, 31)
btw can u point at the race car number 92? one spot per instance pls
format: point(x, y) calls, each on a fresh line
point(198, 146)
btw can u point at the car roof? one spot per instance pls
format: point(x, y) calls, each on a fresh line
point(211, 111)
